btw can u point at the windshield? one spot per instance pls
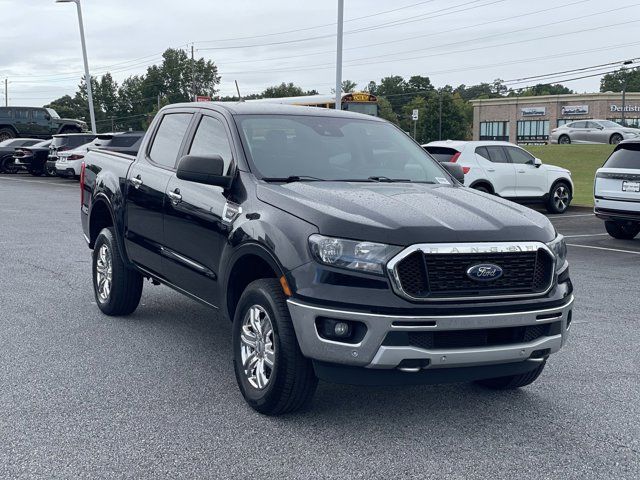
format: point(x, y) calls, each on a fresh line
point(334, 148)
point(52, 112)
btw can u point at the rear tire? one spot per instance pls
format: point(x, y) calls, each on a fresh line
point(622, 231)
point(278, 379)
point(564, 140)
point(6, 134)
point(559, 198)
point(481, 188)
point(615, 139)
point(513, 381)
point(7, 165)
point(117, 288)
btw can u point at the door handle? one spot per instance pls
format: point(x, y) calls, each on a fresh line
point(137, 182)
point(175, 196)
point(491, 169)
point(521, 171)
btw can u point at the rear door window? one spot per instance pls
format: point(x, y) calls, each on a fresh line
point(497, 154)
point(625, 157)
point(168, 139)
point(441, 154)
point(578, 125)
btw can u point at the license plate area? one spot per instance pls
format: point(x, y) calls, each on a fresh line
point(628, 186)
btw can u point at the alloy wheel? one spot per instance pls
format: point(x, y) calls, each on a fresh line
point(561, 198)
point(257, 347)
point(104, 273)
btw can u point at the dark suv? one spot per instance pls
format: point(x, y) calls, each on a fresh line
point(35, 122)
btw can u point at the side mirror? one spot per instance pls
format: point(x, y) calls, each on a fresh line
point(207, 169)
point(537, 162)
point(47, 117)
point(454, 170)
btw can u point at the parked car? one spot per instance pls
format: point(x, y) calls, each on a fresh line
point(64, 142)
point(338, 248)
point(592, 131)
point(70, 161)
point(7, 147)
point(35, 122)
point(617, 191)
point(32, 159)
point(509, 171)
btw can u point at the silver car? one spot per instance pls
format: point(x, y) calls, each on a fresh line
point(592, 131)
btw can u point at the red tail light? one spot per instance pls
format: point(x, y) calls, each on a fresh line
point(75, 157)
point(465, 170)
point(455, 157)
point(82, 169)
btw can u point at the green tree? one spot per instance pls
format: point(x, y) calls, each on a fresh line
point(544, 89)
point(67, 107)
point(285, 90)
point(386, 111)
point(614, 82)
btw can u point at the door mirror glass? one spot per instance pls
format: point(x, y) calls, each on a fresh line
point(47, 117)
point(207, 169)
point(537, 162)
point(455, 170)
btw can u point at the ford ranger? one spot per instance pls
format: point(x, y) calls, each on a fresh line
point(339, 249)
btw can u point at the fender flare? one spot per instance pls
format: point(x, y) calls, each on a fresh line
point(102, 198)
point(249, 248)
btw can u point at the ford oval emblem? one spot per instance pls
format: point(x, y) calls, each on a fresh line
point(485, 272)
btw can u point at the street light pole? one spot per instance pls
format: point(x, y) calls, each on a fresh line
point(339, 55)
point(86, 63)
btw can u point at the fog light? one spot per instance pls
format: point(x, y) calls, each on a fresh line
point(341, 329)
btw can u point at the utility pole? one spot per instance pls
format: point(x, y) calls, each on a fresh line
point(339, 55)
point(440, 115)
point(6, 92)
point(193, 74)
point(624, 91)
point(158, 102)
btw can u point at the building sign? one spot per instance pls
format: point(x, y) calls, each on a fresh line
point(575, 110)
point(627, 108)
point(533, 111)
point(202, 98)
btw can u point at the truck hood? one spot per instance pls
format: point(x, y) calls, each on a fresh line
point(404, 214)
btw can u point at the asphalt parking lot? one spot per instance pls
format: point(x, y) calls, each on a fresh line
point(154, 395)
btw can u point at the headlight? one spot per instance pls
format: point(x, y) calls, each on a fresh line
point(559, 249)
point(366, 257)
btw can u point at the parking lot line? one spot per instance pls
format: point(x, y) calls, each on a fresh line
point(604, 248)
point(571, 216)
point(587, 235)
point(40, 183)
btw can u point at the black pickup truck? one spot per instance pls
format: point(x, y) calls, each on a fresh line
point(338, 247)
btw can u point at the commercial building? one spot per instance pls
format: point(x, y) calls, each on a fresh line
point(530, 119)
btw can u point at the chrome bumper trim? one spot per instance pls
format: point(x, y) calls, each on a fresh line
point(378, 325)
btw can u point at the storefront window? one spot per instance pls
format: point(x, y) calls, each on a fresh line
point(494, 131)
point(533, 130)
point(631, 122)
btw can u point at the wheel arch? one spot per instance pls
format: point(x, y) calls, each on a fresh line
point(248, 262)
point(485, 183)
point(101, 215)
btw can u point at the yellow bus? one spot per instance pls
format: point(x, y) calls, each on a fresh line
point(359, 102)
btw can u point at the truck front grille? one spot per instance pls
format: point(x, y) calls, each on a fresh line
point(423, 275)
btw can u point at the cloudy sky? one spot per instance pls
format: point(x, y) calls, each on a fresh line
point(265, 42)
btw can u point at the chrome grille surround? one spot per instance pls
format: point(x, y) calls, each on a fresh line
point(467, 248)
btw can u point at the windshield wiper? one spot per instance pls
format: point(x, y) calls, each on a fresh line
point(380, 178)
point(293, 178)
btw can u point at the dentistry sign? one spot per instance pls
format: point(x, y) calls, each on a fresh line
point(627, 108)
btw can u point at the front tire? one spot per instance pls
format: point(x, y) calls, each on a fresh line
point(564, 140)
point(117, 288)
point(513, 381)
point(559, 198)
point(622, 231)
point(7, 165)
point(273, 375)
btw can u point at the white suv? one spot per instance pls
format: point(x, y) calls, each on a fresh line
point(617, 191)
point(509, 171)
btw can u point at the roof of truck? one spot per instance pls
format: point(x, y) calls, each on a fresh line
point(259, 108)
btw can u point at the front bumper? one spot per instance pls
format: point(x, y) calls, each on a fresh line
point(372, 354)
